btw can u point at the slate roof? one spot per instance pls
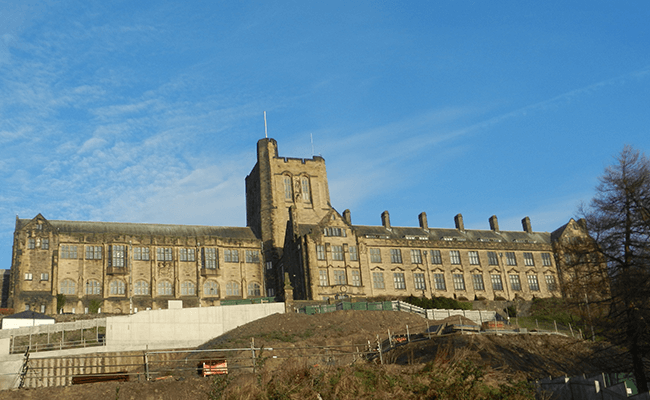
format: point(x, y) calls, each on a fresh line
point(380, 232)
point(147, 229)
point(28, 315)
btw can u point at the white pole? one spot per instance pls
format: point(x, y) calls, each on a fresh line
point(266, 133)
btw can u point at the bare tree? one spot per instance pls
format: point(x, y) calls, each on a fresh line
point(618, 221)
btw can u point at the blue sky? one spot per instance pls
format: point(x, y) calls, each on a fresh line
point(149, 111)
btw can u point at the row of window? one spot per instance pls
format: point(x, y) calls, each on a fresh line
point(337, 253)
point(118, 253)
point(33, 243)
point(439, 283)
point(44, 276)
point(454, 257)
point(117, 287)
point(340, 278)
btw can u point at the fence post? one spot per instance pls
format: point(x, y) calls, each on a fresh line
point(146, 363)
point(408, 334)
point(381, 356)
point(253, 351)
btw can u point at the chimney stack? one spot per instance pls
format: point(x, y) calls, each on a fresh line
point(385, 219)
point(494, 223)
point(423, 221)
point(528, 228)
point(458, 220)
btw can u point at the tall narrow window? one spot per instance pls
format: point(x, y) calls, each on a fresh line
point(418, 280)
point(511, 259)
point(378, 280)
point(550, 283)
point(118, 254)
point(354, 254)
point(396, 256)
point(436, 258)
point(375, 255)
point(546, 259)
point(209, 258)
point(533, 284)
point(416, 257)
point(477, 280)
point(497, 284)
point(322, 278)
point(320, 252)
point(473, 258)
point(528, 259)
point(459, 282)
point(454, 256)
point(45, 244)
point(337, 253)
point(288, 191)
point(439, 281)
point(398, 280)
point(305, 188)
point(492, 258)
point(31, 243)
point(356, 278)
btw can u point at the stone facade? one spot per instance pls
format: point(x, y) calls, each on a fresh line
point(292, 231)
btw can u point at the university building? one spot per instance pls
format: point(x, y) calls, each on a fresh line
point(292, 231)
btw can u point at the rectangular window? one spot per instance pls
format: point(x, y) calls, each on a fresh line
point(45, 244)
point(439, 280)
point(210, 258)
point(378, 280)
point(356, 278)
point(492, 258)
point(546, 259)
point(322, 278)
point(305, 188)
point(436, 258)
point(230, 255)
point(515, 283)
point(337, 253)
point(252, 256)
point(118, 255)
point(473, 258)
point(287, 188)
point(398, 280)
point(511, 259)
point(28, 276)
point(270, 292)
point(45, 276)
point(550, 283)
point(418, 280)
point(528, 259)
point(477, 280)
point(375, 255)
point(141, 253)
point(354, 254)
point(416, 257)
point(459, 282)
point(93, 252)
point(533, 284)
point(68, 251)
point(334, 231)
point(320, 252)
point(497, 284)
point(164, 253)
point(187, 255)
point(339, 278)
point(396, 256)
point(31, 243)
point(454, 256)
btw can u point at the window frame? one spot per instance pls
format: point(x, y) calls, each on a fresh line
point(378, 280)
point(439, 281)
point(454, 257)
point(459, 282)
point(416, 256)
point(419, 281)
point(399, 281)
point(396, 256)
point(477, 282)
point(436, 257)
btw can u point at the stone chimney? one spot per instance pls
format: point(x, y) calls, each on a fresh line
point(528, 228)
point(423, 221)
point(347, 217)
point(385, 219)
point(494, 223)
point(458, 220)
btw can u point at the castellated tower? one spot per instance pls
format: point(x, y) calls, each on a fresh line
point(277, 183)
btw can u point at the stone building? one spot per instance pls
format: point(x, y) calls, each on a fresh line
point(292, 230)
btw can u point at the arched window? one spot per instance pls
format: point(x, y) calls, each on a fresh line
point(210, 288)
point(288, 190)
point(188, 288)
point(68, 286)
point(93, 287)
point(117, 287)
point(305, 188)
point(165, 288)
point(141, 288)
point(254, 289)
point(232, 289)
